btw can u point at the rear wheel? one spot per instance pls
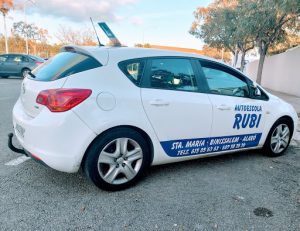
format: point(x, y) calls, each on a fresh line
point(278, 138)
point(25, 72)
point(117, 159)
point(4, 76)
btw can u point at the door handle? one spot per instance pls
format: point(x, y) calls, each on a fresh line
point(224, 107)
point(159, 102)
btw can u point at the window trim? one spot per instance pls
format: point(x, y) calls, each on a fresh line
point(145, 83)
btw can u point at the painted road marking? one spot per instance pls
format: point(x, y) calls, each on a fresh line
point(17, 161)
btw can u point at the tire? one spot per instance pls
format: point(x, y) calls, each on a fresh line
point(111, 167)
point(278, 138)
point(4, 76)
point(24, 72)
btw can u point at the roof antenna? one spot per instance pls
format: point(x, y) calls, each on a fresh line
point(96, 32)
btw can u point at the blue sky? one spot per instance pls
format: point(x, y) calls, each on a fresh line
point(160, 22)
point(163, 22)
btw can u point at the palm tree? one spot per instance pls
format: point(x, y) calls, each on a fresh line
point(5, 6)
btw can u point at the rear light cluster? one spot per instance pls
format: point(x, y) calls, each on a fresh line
point(38, 63)
point(63, 99)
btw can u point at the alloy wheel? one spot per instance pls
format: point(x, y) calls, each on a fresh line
point(280, 138)
point(120, 161)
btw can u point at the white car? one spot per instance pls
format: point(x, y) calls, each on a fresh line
point(116, 111)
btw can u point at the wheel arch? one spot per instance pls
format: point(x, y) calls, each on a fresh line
point(139, 130)
point(290, 122)
point(24, 68)
point(288, 118)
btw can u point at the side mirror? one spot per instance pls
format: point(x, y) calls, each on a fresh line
point(257, 91)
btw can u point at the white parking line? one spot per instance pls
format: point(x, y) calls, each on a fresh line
point(17, 161)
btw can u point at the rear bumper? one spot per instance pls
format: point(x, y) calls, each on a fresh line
point(57, 139)
point(22, 151)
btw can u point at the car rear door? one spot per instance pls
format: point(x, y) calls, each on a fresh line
point(26, 63)
point(238, 117)
point(179, 113)
point(9, 65)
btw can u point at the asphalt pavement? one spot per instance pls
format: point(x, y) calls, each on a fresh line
point(241, 191)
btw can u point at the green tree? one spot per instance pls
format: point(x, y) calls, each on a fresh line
point(270, 21)
point(219, 27)
point(239, 25)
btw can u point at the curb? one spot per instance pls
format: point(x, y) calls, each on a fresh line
point(295, 142)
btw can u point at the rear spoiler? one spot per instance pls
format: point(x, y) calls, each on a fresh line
point(92, 51)
point(75, 48)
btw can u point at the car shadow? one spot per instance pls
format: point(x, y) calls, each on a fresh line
point(79, 183)
point(207, 162)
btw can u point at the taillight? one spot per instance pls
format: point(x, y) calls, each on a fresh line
point(63, 99)
point(38, 63)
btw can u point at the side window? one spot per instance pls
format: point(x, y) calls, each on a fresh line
point(224, 83)
point(17, 58)
point(3, 58)
point(10, 58)
point(172, 74)
point(133, 69)
point(25, 59)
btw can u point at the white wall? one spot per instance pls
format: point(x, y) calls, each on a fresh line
point(280, 72)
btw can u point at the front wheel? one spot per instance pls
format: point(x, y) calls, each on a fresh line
point(117, 159)
point(278, 138)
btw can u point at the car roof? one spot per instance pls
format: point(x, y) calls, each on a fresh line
point(123, 53)
point(136, 52)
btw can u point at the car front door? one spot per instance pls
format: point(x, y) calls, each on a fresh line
point(238, 116)
point(179, 113)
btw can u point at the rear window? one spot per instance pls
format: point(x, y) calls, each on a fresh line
point(63, 65)
point(133, 69)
